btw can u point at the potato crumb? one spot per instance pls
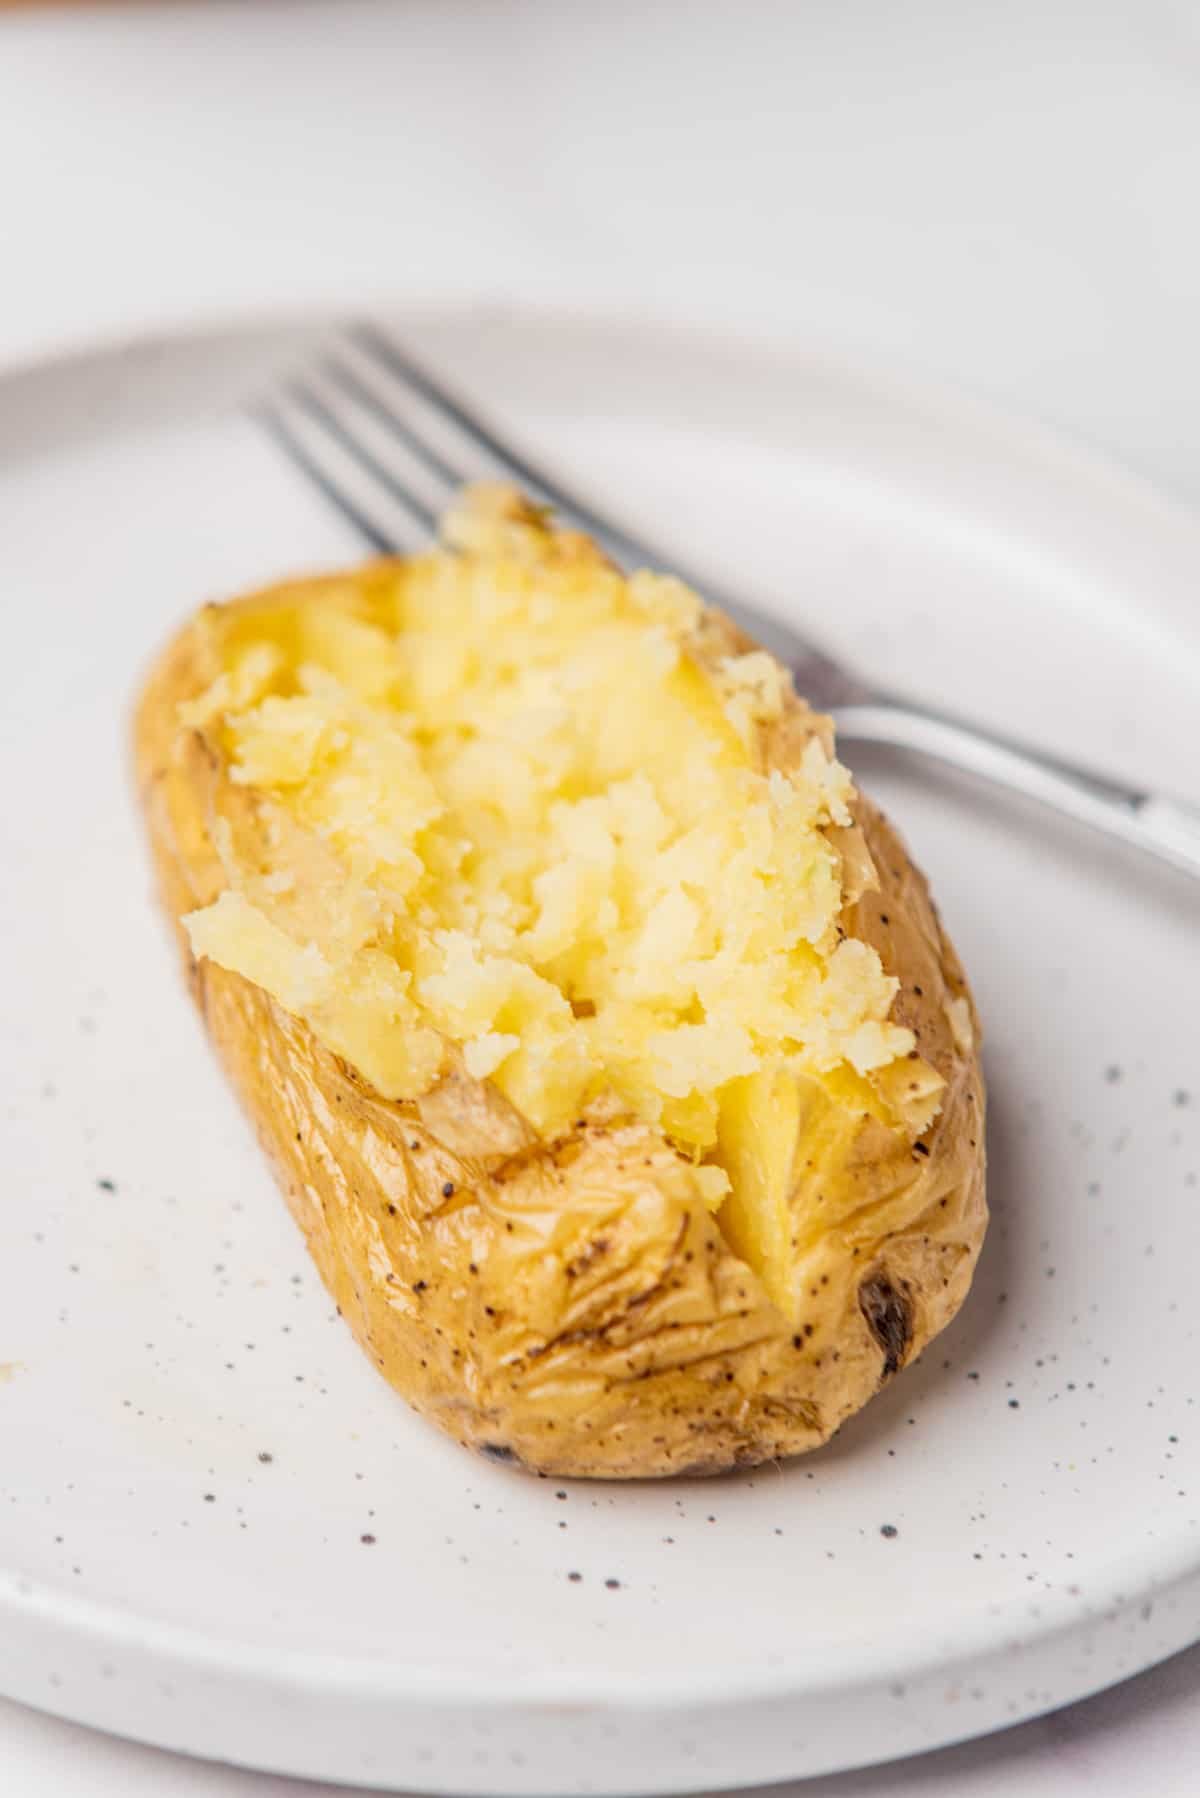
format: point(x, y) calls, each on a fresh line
point(483, 1054)
point(958, 1014)
point(713, 1183)
point(754, 687)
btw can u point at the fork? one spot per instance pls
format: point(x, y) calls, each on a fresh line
point(387, 445)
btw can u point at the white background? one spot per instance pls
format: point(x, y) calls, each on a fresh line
point(1003, 197)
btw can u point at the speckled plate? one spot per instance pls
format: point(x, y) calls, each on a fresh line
point(219, 1531)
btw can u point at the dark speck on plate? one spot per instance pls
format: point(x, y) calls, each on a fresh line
point(574, 1578)
point(107, 1185)
point(1181, 1097)
point(889, 1530)
point(367, 1537)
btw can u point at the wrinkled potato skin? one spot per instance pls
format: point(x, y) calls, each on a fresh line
point(569, 1306)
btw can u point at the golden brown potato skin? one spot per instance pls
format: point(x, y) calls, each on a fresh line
point(569, 1306)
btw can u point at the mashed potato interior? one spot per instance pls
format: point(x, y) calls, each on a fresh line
point(500, 809)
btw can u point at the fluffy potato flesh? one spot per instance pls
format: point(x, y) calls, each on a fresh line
point(506, 812)
point(551, 862)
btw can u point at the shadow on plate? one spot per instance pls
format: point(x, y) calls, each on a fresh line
point(991, 1309)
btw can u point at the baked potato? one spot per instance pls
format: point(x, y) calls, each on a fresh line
point(604, 1039)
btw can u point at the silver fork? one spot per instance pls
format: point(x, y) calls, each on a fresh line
point(387, 445)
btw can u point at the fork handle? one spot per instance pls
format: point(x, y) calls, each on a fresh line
point(1159, 826)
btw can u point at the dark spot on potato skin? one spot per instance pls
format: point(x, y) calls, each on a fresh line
point(497, 1451)
point(888, 1311)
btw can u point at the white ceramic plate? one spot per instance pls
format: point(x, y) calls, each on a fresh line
point(219, 1530)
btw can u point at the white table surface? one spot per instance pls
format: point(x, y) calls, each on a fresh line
point(1000, 197)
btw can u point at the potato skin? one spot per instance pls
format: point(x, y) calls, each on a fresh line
point(570, 1306)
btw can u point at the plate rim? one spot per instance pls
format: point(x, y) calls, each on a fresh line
point(375, 1680)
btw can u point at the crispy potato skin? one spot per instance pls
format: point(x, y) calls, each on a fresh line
point(568, 1306)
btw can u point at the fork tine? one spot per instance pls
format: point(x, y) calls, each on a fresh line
point(372, 417)
point(275, 424)
point(342, 375)
point(381, 349)
point(311, 402)
point(630, 552)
